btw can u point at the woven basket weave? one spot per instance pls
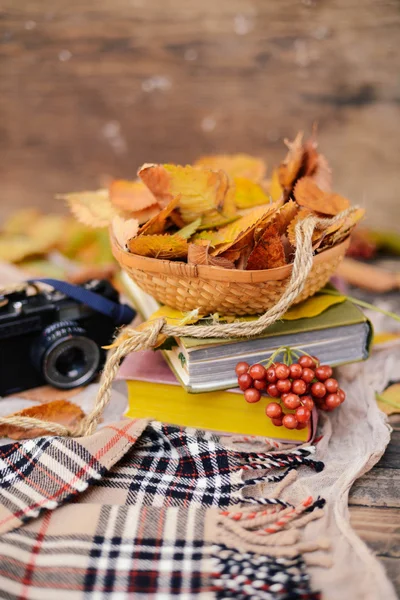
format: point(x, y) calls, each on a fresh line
point(227, 291)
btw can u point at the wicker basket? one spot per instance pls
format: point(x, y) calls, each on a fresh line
point(213, 289)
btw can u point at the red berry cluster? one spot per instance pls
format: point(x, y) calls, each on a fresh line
point(298, 386)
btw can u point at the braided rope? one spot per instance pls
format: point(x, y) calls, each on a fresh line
point(146, 339)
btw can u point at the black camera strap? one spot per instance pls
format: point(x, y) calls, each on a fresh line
point(121, 314)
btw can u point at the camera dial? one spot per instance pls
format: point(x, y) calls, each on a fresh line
point(65, 356)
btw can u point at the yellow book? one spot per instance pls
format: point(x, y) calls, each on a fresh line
point(154, 392)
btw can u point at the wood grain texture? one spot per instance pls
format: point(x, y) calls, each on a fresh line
point(92, 90)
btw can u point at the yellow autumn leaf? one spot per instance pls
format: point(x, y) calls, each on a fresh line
point(91, 208)
point(312, 307)
point(159, 246)
point(275, 188)
point(157, 224)
point(248, 193)
point(389, 400)
point(176, 317)
point(130, 196)
point(18, 222)
point(385, 337)
point(235, 165)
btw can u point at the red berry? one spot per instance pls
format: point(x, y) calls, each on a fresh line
point(245, 381)
point(302, 414)
point(273, 410)
point(331, 385)
point(282, 371)
point(284, 395)
point(301, 425)
point(299, 387)
point(318, 389)
point(241, 368)
point(271, 375)
point(323, 406)
point(252, 395)
point(277, 421)
point(341, 395)
point(283, 385)
point(289, 421)
point(323, 372)
point(272, 390)
point(257, 372)
point(260, 384)
point(291, 401)
point(306, 361)
point(307, 375)
point(295, 371)
point(307, 402)
point(333, 401)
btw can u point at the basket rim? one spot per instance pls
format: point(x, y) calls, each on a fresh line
point(131, 261)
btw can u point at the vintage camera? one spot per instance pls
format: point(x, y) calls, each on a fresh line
point(47, 336)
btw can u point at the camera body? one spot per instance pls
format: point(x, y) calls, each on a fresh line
point(49, 338)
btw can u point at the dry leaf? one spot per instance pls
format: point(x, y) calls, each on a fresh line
point(124, 229)
point(20, 221)
point(235, 165)
point(249, 194)
point(142, 216)
point(58, 411)
point(309, 195)
point(289, 168)
point(158, 223)
point(130, 196)
point(199, 255)
point(91, 208)
point(275, 189)
point(285, 215)
point(201, 191)
point(312, 307)
point(159, 246)
point(337, 234)
point(176, 218)
point(233, 233)
point(389, 400)
point(187, 231)
point(269, 252)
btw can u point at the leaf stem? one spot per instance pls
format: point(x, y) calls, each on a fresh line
point(362, 303)
point(386, 401)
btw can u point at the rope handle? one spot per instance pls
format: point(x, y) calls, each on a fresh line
point(147, 338)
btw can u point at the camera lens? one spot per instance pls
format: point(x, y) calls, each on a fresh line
point(65, 356)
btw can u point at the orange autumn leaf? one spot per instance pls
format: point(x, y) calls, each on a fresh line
point(159, 246)
point(269, 252)
point(144, 215)
point(157, 224)
point(58, 411)
point(285, 215)
point(130, 196)
point(202, 192)
point(289, 168)
point(318, 234)
point(235, 165)
point(309, 195)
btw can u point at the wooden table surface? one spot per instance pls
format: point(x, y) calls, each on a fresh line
point(374, 506)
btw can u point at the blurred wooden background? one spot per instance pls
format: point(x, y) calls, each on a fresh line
point(91, 89)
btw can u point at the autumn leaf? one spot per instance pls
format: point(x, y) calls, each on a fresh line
point(233, 233)
point(289, 168)
point(389, 400)
point(93, 209)
point(124, 229)
point(157, 224)
point(235, 165)
point(269, 252)
point(159, 246)
point(339, 232)
point(144, 215)
point(249, 194)
point(275, 189)
point(312, 307)
point(58, 411)
point(285, 215)
point(199, 255)
point(130, 196)
point(187, 231)
point(20, 221)
point(201, 191)
point(309, 195)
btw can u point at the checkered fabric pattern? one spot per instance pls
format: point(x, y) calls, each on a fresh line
point(173, 466)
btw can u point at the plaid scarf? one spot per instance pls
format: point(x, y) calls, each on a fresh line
point(138, 515)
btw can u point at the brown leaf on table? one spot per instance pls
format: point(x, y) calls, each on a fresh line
point(157, 224)
point(57, 411)
point(235, 165)
point(269, 252)
point(130, 196)
point(93, 209)
point(309, 195)
point(159, 246)
point(199, 255)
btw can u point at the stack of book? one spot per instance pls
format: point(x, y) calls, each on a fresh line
point(194, 388)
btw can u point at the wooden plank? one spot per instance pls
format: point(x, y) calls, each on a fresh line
point(379, 487)
point(391, 458)
point(379, 528)
point(94, 89)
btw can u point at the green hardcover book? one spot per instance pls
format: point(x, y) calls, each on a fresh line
point(339, 335)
